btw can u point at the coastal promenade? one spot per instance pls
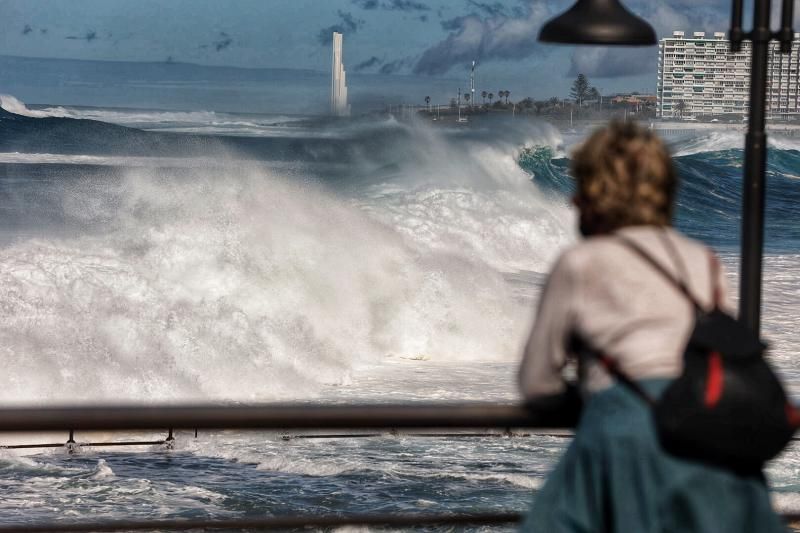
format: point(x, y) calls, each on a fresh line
point(668, 129)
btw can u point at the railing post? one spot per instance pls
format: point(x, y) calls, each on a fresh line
point(70, 445)
point(169, 442)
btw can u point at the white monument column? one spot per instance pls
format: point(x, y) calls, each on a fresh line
point(339, 105)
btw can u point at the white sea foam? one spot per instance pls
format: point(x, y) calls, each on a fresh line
point(238, 284)
point(245, 288)
point(785, 502)
point(102, 471)
point(780, 311)
point(719, 140)
point(13, 105)
point(206, 122)
point(473, 200)
point(518, 480)
point(146, 162)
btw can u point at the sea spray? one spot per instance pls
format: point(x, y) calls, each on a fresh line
point(469, 197)
point(239, 287)
point(16, 106)
point(238, 283)
point(194, 264)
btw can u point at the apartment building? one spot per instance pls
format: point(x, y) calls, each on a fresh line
point(699, 76)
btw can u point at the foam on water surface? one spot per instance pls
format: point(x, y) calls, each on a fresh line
point(413, 281)
point(237, 283)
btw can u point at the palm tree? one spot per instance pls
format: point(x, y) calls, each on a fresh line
point(491, 95)
point(483, 95)
point(680, 107)
point(428, 101)
point(466, 99)
point(508, 93)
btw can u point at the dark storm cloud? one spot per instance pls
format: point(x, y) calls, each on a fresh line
point(406, 5)
point(366, 4)
point(397, 65)
point(392, 5)
point(485, 37)
point(517, 11)
point(486, 8)
point(452, 24)
point(27, 29)
point(687, 15)
point(369, 63)
point(347, 24)
point(90, 36)
point(223, 42)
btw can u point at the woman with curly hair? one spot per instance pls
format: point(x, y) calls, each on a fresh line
point(615, 477)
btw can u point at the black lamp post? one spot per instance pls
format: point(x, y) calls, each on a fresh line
point(598, 22)
point(606, 22)
point(755, 151)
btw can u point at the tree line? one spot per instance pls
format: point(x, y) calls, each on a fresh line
point(581, 100)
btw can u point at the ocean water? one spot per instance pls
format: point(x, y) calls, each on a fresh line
point(160, 256)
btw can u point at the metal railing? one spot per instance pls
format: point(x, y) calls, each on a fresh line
point(283, 417)
point(291, 522)
point(280, 417)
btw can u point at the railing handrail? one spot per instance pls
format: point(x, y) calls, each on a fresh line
point(272, 522)
point(275, 417)
point(279, 417)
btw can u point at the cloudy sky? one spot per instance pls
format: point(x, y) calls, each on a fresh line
point(391, 37)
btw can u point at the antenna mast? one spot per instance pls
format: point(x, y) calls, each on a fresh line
point(472, 84)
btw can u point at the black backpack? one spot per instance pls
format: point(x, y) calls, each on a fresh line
point(728, 407)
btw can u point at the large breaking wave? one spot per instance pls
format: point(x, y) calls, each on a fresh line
point(709, 198)
point(267, 269)
point(247, 283)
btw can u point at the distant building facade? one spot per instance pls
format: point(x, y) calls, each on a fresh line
point(633, 99)
point(700, 76)
point(339, 105)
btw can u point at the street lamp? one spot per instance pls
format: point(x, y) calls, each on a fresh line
point(604, 22)
point(598, 22)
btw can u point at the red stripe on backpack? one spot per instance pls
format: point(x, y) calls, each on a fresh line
point(714, 381)
point(792, 415)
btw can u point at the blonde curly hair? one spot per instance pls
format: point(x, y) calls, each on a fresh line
point(625, 178)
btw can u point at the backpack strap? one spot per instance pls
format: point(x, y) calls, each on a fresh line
point(716, 287)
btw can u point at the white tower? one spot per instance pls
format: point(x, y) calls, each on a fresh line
point(339, 105)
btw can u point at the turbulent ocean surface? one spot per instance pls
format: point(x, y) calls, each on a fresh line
point(162, 256)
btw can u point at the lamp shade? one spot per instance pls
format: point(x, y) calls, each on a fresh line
point(598, 22)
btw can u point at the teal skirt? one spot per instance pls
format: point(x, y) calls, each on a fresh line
point(615, 478)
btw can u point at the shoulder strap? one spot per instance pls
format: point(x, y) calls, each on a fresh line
point(715, 284)
point(658, 267)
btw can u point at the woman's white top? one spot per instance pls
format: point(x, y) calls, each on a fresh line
point(615, 300)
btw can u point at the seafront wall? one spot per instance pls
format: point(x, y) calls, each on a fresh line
point(667, 129)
